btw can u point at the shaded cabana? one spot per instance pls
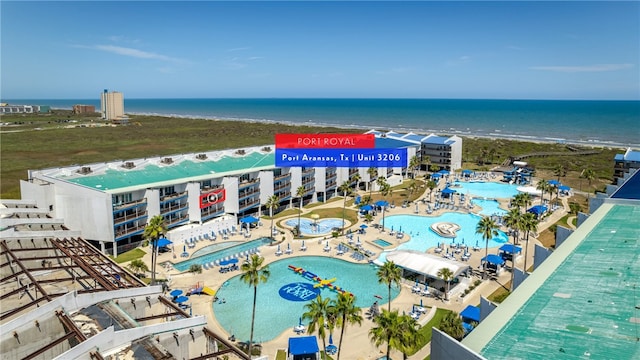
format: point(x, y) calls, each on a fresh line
point(443, 172)
point(470, 314)
point(537, 210)
point(467, 173)
point(382, 203)
point(248, 220)
point(435, 176)
point(446, 192)
point(564, 189)
point(494, 262)
point(426, 265)
point(554, 183)
point(507, 251)
point(303, 348)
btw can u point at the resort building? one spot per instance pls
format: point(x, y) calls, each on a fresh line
point(444, 152)
point(112, 105)
point(111, 203)
point(580, 302)
point(625, 162)
point(23, 109)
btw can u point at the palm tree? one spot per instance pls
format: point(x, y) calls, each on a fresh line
point(543, 186)
point(316, 313)
point(389, 273)
point(385, 189)
point(356, 179)
point(138, 266)
point(529, 223)
point(451, 324)
point(388, 330)
point(300, 191)
point(373, 172)
point(411, 334)
point(590, 175)
point(526, 200)
point(513, 220)
point(446, 275)
point(488, 228)
point(414, 164)
point(348, 314)
point(254, 273)
point(431, 185)
point(272, 203)
point(152, 232)
point(345, 187)
point(574, 208)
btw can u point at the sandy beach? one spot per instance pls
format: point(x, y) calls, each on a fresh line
point(357, 344)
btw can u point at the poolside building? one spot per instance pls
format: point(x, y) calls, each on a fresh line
point(580, 302)
point(624, 162)
point(110, 203)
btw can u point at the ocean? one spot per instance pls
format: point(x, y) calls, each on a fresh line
point(586, 122)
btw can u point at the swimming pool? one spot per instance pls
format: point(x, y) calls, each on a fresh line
point(275, 314)
point(219, 251)
point(492, 190)
point(423, 238)
point(310, 227)
point(489, 207)
point(382, 243)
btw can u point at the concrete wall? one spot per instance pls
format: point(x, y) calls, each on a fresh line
point(562, 233)
point(486, 308)
point(582, 217)
point(540, 254)
point(444, 347)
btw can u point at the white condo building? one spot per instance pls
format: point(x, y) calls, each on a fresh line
point(111, 203)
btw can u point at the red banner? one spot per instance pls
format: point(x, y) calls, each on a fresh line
point(326, 141)
point(212, 198)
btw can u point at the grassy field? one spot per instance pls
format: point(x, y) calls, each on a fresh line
point(62, 139)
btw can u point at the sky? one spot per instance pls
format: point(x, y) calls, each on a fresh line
point(306, 49)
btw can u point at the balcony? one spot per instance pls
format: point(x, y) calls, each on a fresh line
point(123, 233)
point(211, 211)
point(246, 194)
point(353, 171)
point(282, 186)
point(242, 206)
point(331, 185)
point(247, 184)
point(308, 171)
point(173, 207)
point(283, 195)
point(282, 177)
point(307, 181)
point(206, 189)
point(174, 196)
point(177, 220)
point(129, 205)
point(129, 217)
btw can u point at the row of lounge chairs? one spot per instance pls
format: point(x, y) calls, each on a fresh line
point(213, 264)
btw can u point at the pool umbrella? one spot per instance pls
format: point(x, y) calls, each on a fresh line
point(300, 321)
point(302, 243)
point(400, 230)
point(421, 303)
point(181, 299)
point(176, 293)
point(330, 339)
point(278, 247)
point(288, 246)
point(163, 242)
point(363, 226)
point(184, 248)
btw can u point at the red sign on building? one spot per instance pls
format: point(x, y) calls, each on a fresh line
point(212, 198)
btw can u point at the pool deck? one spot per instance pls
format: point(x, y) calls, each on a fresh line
point(356, 344)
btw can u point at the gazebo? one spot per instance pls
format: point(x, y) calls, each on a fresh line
point(507, 251)
point(494, 262)
point(303, 348)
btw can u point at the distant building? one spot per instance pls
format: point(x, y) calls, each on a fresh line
point(83, 109)
point(24, 109)
point(624, 162)
point(112, 105)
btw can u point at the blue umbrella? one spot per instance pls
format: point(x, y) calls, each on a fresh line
point(163, 242)
point(421, 303)
point(363, 226)
point(176, 292)
point(181, 299)
point(330, 339)
point(300, 321)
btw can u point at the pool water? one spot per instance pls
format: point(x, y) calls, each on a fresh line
point(423, 238)
point(274, 314)
point(382, 243)
point(311, 227)
point(489, 207)
point(219, 251)
point(491, 190)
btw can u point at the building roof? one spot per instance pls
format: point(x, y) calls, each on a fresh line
point(425, 264)
point(437, 140)
point(303, 345)
point(630, 155)
point(391, 143)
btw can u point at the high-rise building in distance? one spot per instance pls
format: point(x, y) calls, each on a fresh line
point(112, 105)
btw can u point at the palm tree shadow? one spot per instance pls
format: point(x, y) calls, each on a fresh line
point(504, 286)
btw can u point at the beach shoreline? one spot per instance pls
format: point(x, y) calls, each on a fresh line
point(490, 136)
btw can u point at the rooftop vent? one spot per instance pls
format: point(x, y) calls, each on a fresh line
point(84, 170)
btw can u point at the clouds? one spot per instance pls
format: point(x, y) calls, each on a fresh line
point(584, 68)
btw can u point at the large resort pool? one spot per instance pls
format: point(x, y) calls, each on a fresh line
point(220, 251)
point(309, 227)
point(487, 190)
point(281, 300)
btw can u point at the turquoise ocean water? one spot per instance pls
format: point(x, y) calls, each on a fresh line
point(614, 123)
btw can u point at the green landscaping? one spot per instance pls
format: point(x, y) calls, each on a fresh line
point(136, 253)
point(34, 142)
